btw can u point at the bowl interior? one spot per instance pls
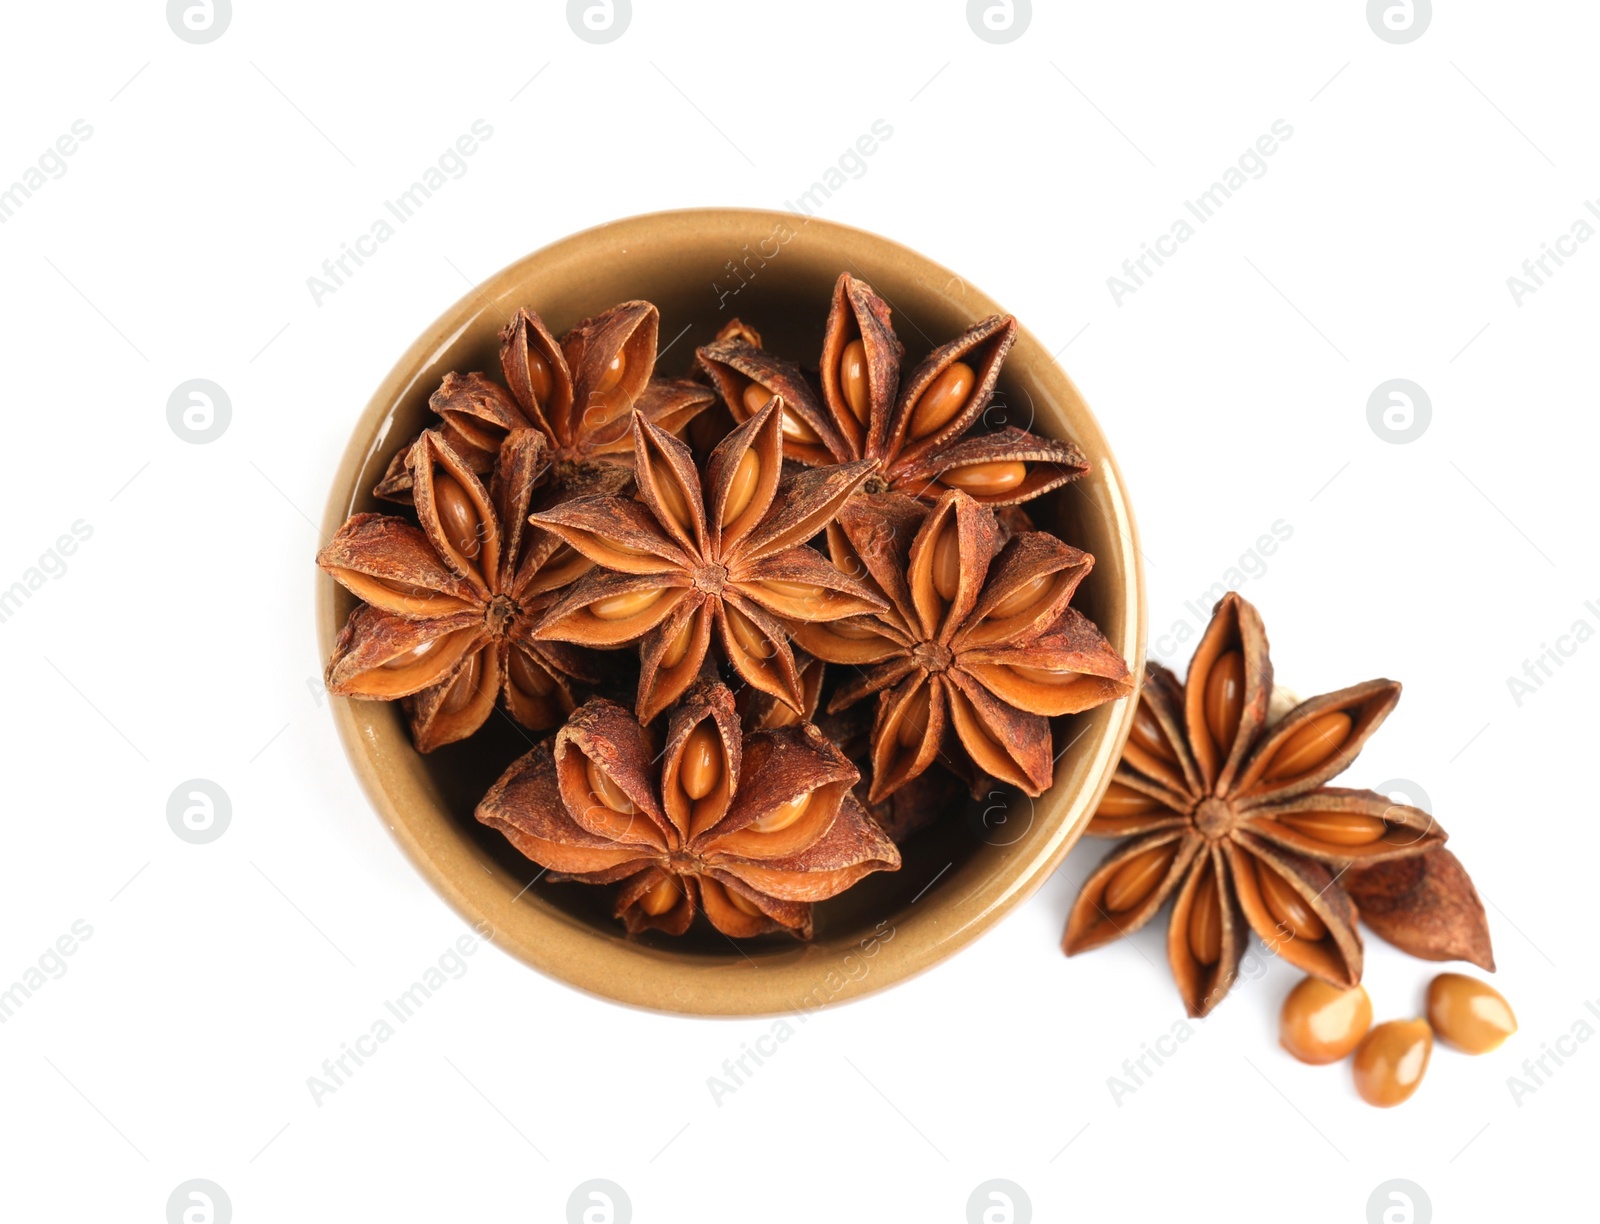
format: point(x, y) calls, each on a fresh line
point(775, 271)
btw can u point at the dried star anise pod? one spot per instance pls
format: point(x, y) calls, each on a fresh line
point(978, 639)
point(920, 440)
point(748, 828)
point(579, 393)
point(1228, 814)
point(449, 609)
point(682, 556)
point(1424, 904)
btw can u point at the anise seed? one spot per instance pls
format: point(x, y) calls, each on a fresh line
point(943, 399)
point(1468, 1014)
point(1205, 922)
point(1288, 907)
point(607, 792)
point(742, 488)
point(1337, 828)
point(853, 380)
point(1391, 1060)
point(661, 898)
point(1320, 1024)
point(782, 816)
point(1135, 879)
point(985, 479)
point(621, 607)
point(457, 515)
point(1310, 746)
point(1225, 699)
point(701, 768)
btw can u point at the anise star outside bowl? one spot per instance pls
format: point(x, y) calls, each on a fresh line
point(777, 271)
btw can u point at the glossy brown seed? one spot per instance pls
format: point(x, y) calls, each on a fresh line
point(415, 655)
point(662, 897)
point(755, 398)
point(1147, 734)
point(986, 479)
point(612, 374)
point(943, 400)
point(541, 378)
point(914, 719)
point(1022, 599)
point(1132, 882)
point(1336, 828)
point(743, 904)
point(792, 590)
point(466, 686)
point(1123, 800)
point(1391, 1060)
point(678, 646)
point(1310, 746)
point(750, 639)
point(742, 488)
point(1205, 922)
point(946, 562)
point(1225, 698)
point(528, 675)
point(853, 380)
point(1468, 1014)
point(457, 515)
point(856, 631)
point(620, 607)
point(782, 816)
point(796, 430)
point(607, 792)
point(701, 767)
point(1320, 1023)
point(1289, 909)
point(1047, 675)
point(673, 499)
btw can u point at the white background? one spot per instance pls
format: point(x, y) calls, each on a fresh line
point(179, 641)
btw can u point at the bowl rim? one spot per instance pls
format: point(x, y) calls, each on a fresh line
point(634, 974)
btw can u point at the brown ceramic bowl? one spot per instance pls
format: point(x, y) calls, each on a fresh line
point(702, 267)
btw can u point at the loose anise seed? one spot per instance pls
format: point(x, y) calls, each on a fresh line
point(1337, 828)
point(1391, 1060)
point(1310, 746)
point(1123, 800)
point(1320, 1023)
point(701, 768)
point(1288, 907)
point(620, 607)
point(457, 515)
point(1468, 1014)
point(985, 479)
point(414, 655)
point(1022, 599)
point(946, 562)
point(943, 399)
point(466, 686)
point(528, 676)
point(1225, 699)
point(853, 380)
point(1133, 881)
point(742, 488)
point(661, 898)
point(743, 905)
point(1205, 922)
point(607, 793)
point(782, 816)
point(1147, 734)
point(678, 646)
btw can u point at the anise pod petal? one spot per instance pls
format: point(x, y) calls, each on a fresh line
point(999, 469)
point(1425, 905)
point(459, 704)
point(860, 365)
point(1134, 805)
point(748, 377)
point(1298, 909)
point(1206, 935)
point(803, 585)
point(789, 794)
point(671, 655)
point(657, 900)
point(669, 483)
point(1125, 891)
point(760, 711)
point(455, 512)
point(853, 847)
point(476, 410)
point(525, 805)
point(1070, 669)
point(606, 770)
point(742, 475)
point(1226, 693)
point(537, 688)
point(908, 729)
point(857, 641)
point(548, 562)
point(1316, 741)
point(1012, 744)
point(728, 903)
point(536, 371)
point(611, 357)
point(803, 505)
point(670, 403)
point(606, 609)
point(1336, 825)
point(879, 528)
point(948, 390)
point(702, 762)
point(1030, 583)
point(391, 565)
point(619, 533)
point(948, 563)
point(1156, 745)
point(383, 656)
point(879, 678)
point(518, 468)
point(756, 645)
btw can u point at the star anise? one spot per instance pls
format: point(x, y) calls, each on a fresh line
point(921, 441)
point(579, 393)
point(1228, 813)
point(681, 557)
point(978, 646)
point(749, 829)
point(449, 609)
